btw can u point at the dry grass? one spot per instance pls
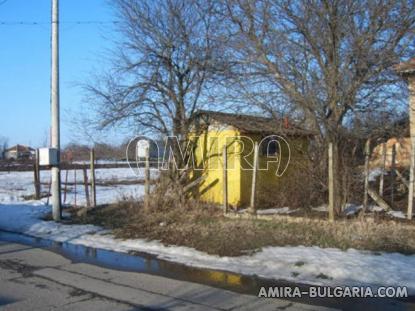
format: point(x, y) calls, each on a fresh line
point(175, 219)
point(204, 228)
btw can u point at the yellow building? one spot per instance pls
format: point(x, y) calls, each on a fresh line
point(281, 149)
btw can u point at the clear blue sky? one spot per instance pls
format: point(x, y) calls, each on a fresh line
point(25, 64)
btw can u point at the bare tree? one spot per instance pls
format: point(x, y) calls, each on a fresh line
point(328, 58)
point(4, 141)
point(164, 67)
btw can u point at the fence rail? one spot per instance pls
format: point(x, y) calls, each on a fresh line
point(22, 167)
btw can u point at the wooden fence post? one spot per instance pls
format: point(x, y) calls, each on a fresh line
point(393, 174)
point(411, 88)
point(225, 179)
point(88, 202)
point(382, 175)
point(367, 155)
point(147, 177)
point(254, 176)
point(49, 190)
point(93, 188)
point(74, 172)
point(65, 188)
point(331, 183)
point(36, 174)
point(411, 173)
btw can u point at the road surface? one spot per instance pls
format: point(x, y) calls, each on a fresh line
point(33, 278)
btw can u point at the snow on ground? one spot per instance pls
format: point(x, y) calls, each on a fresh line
point(15, 185)
point(397, 214)
point(271, 211)
point(312, 265)
point(280, 210)
point(352, 209)
point(108, 174)
point(375, 172)
point(321, 208)
point(105, 194)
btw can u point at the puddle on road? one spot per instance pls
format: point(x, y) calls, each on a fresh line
point(150, 264)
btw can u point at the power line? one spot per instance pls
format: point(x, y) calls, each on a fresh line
point(35, 23)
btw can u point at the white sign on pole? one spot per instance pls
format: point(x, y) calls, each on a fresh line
point(142, 148)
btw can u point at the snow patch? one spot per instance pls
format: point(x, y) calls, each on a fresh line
point(374, 173)
point(14, 186)
point(272, 211)
point(397, 214)
point(321, 208)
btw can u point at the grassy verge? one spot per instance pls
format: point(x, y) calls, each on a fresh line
point(204, 228)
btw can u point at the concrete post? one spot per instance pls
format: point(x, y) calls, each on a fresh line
point(55, 130)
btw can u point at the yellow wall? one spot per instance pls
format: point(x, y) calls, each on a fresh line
point(208, 155)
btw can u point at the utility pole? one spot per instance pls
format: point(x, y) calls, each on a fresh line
point(55, 131)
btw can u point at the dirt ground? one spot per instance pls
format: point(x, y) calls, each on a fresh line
point(206, 229)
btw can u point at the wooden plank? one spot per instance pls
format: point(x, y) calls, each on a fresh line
point(402, 178)
point(194, 183)
point(378, 199)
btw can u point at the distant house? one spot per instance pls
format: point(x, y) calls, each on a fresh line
point(238, 133)
point(19, 152)
point(402, 153)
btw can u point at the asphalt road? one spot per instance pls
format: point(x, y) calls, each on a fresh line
point(37, 279)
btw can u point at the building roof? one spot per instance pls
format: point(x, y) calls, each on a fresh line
point(253, 124)
point(405, 67)
point(20, 148)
